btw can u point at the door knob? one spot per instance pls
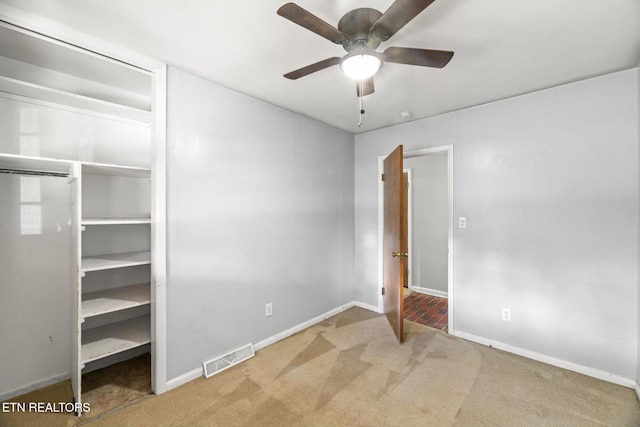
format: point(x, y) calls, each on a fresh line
point(399, 254)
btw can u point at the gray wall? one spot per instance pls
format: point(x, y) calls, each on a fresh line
point(549, 184)
point(260, 209)
point(430, 221)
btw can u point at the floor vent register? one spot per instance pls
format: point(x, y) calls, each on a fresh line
point(232, 358)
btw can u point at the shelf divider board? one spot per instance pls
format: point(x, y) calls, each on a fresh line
point(115, 338)
point(115, 221)
point(116, 299)
point(76, 259)
point(107, 262)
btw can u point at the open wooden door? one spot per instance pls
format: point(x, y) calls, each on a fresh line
point(394, 244)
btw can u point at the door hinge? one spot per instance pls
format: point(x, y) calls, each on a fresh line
point(382, 177)
point(382, 291)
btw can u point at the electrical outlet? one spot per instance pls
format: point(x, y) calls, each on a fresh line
point(462, 222)
point(268, 309)
point(506, 314)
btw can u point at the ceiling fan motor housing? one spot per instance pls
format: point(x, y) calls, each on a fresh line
point(356, 25)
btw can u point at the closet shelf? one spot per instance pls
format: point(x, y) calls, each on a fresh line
point(111, 261)
point(34, 164)
point(114, 338)
point(82, 102)
point(73, 72)
point(47, 164)
point(111, 300)
point(115, 170)
point(115, 221)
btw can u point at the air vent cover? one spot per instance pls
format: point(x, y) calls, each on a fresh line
point(220, 363)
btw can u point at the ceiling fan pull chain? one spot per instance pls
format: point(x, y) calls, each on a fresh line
point(361, 112)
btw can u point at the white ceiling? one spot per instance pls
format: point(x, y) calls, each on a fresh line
point(502, 48)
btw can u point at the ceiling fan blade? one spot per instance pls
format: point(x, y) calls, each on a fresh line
point(367, 87)
point(422, 57)
point(300, 16)
point(321, 65)
point(397, 16)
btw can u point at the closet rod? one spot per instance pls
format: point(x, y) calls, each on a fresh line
point(36, 173)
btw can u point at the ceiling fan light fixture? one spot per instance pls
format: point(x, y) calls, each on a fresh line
point(360, 65)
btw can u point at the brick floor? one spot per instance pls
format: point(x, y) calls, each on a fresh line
point(427, 310)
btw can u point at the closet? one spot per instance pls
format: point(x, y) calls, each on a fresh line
point(78, 211)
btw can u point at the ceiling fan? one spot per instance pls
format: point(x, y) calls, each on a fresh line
point(360, 32)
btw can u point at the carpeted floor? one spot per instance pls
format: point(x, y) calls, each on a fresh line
point(349, 370)
point(105, 390)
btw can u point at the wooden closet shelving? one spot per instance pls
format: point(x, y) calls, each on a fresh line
point(110, 300)
point(110, 261)
point(129, 330)
point(113, 338)
point(110, 203)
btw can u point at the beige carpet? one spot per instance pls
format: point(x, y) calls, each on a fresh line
point(350, 371)
point(105, 390)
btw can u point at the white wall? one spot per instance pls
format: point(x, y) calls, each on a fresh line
point(260, 209)
point(430, 221)
point(549, 184)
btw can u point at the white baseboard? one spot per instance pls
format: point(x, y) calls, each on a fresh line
point(428, 291)
point(304, 325)
point(638, 390)
point(184, 378)
point(591, 372)
point(34, 386)
point(368, 307)
point(196, 373)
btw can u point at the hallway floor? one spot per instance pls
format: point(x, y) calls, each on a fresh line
point(427, 310)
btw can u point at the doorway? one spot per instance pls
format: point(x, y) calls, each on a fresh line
point(430, 236)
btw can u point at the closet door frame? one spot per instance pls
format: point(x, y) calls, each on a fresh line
point(158, 70)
